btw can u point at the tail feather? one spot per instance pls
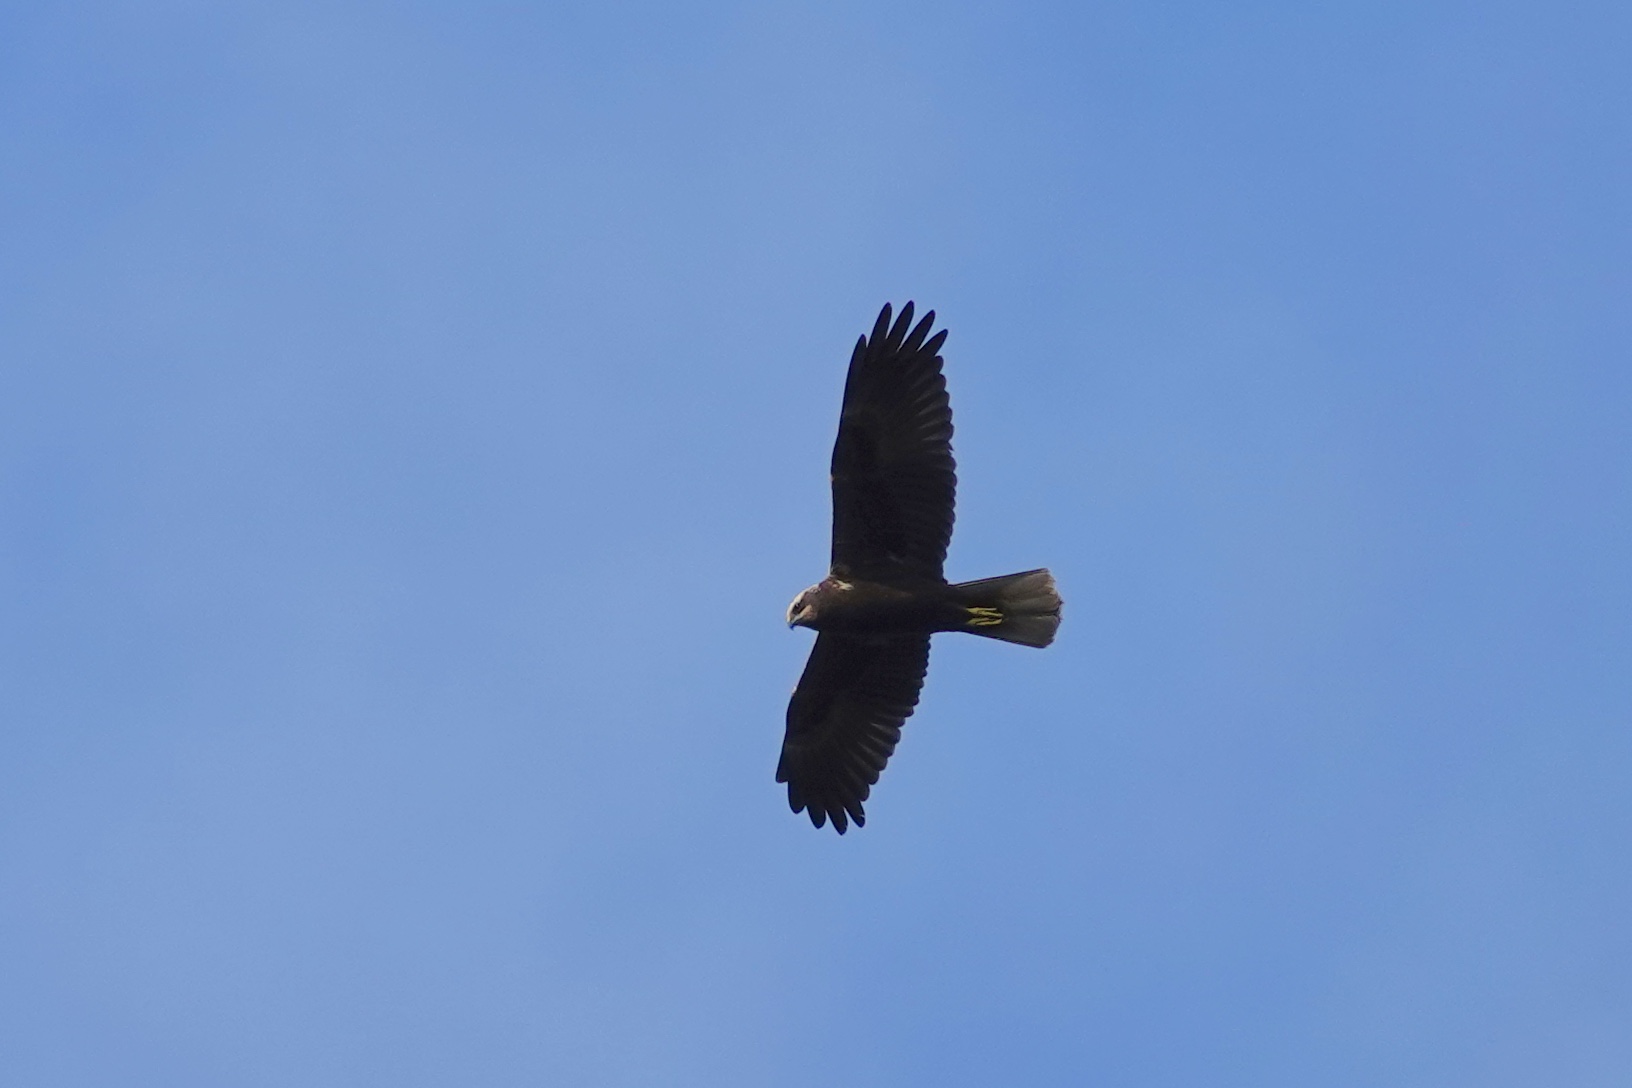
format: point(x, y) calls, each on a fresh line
point(1022, 608)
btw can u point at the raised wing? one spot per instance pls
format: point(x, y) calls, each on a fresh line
point(893, 474)
point(844, 721)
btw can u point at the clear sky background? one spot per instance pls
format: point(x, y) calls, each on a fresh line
point(414, 421)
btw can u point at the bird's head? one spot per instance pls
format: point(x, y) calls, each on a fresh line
point(802, 612)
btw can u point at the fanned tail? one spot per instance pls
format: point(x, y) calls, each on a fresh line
point(1023, 608)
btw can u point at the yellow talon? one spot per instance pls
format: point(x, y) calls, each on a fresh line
point(984, 617)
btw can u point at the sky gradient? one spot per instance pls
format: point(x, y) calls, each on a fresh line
point(414, 421)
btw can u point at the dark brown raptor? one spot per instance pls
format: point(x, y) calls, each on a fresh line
point(893, 491)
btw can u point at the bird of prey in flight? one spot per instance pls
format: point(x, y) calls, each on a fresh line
point(884, 595)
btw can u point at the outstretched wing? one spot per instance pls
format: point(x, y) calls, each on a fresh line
point(844, 721)
point(893, 474)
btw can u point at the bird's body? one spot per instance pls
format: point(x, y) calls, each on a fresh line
point(860, 608)
point(893, 490)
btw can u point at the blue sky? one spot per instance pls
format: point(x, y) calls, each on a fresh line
point(414, 422)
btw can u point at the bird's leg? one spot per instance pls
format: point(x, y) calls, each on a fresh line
point(984, 617)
